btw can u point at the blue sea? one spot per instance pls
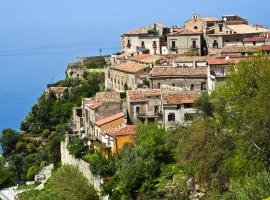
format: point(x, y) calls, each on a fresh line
point(30, 59)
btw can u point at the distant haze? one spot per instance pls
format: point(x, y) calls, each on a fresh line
point(38, 38)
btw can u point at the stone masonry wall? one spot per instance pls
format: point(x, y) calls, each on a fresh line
point(67, 159)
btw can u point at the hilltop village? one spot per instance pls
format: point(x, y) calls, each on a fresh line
point(159, 74)
point(178, 113)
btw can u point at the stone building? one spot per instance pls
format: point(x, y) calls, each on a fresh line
point(144, 105)
point(181, 41)
point(223, 35)
point(149, 40)
point(103, 105)
point(59, 92)
point(254, 41)
point(217, 69)
point(107, 123)
point(75, 70)
point(126, 75)
point(183, 78)
point(198, 22)
point(114, 140)
point(177, 108)
point(190, 61)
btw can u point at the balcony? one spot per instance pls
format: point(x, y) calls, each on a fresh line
point(173, 49)
point(148, 115)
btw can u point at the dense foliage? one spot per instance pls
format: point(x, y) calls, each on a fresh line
point(224, 153)
point(66, 183)
point(44, 127)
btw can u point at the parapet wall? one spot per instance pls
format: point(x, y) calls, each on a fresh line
point(68, 159)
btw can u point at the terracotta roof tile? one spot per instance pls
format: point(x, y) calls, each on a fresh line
point(181, 31)
point(190, 58)
point(109, 119)
point(179, 71)
point(142, 93)
point(178, 98)
point(129, 67)
point(245, 29)
point(254, 39)
point(146, 58)
point(224, 61)
point(144, 30)
point(57, 89)
point(244, 49)
point(95, 105)
point(108, 96)
point(123, 131)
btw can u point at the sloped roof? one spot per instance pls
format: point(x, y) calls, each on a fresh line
point(109, 119)
point(129, 67)
point(108, 96)
point(178, 98)
point(57, 90)
point(224, 61)
point(190, 58)
point(179, 71)
point(146, 58)
point(254, 39)
point(245, 49)
point(245, 29)
point(122, 131)
point(143, 93)
point(144, 30)
point(182, 31)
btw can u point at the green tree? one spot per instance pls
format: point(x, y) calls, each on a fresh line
point(9, 140)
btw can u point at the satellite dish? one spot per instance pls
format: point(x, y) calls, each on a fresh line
point(227, 58)
point(225, 19)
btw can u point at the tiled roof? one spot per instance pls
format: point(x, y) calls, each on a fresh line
point(245, 29)
point(142, 93)
point(129, 67)
point(223, 61)
point(245, 49)
point(122, 131)
point(254, 39)
point(190, 58)
point(95, 105)
point(109, 119)
point(108, 96)
point(144, 30)
point(179, 71)
point(209, 19)
point(177, 98)
point(181, 31)
point(57, 89)
point(146, 58)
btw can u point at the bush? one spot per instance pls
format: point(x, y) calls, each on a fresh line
point(32, 171)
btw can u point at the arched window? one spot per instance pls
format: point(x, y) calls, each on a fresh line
point(195, 27)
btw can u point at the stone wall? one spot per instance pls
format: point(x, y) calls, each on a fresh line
point(67, 159)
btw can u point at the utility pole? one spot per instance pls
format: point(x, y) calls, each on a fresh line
point(100, 51)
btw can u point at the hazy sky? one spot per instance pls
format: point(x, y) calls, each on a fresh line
point(109, 18)
point(39, 37)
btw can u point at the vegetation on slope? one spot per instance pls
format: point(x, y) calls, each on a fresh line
point(66, 183)
point(44, 127)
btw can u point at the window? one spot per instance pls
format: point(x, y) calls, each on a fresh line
point(154, 44)
point(222, 70)
point(129, 44)
point(142, 44)
point(158, 85)
point(173, 85)
point(138, 109)
point(215, 44)
point(192, 87)
point(194, 45)
point(220, 28)
point(171, 117)
point(254, 43)
point(156, 109)
point(195, 27)
point(203, 86)
point(173, 45)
